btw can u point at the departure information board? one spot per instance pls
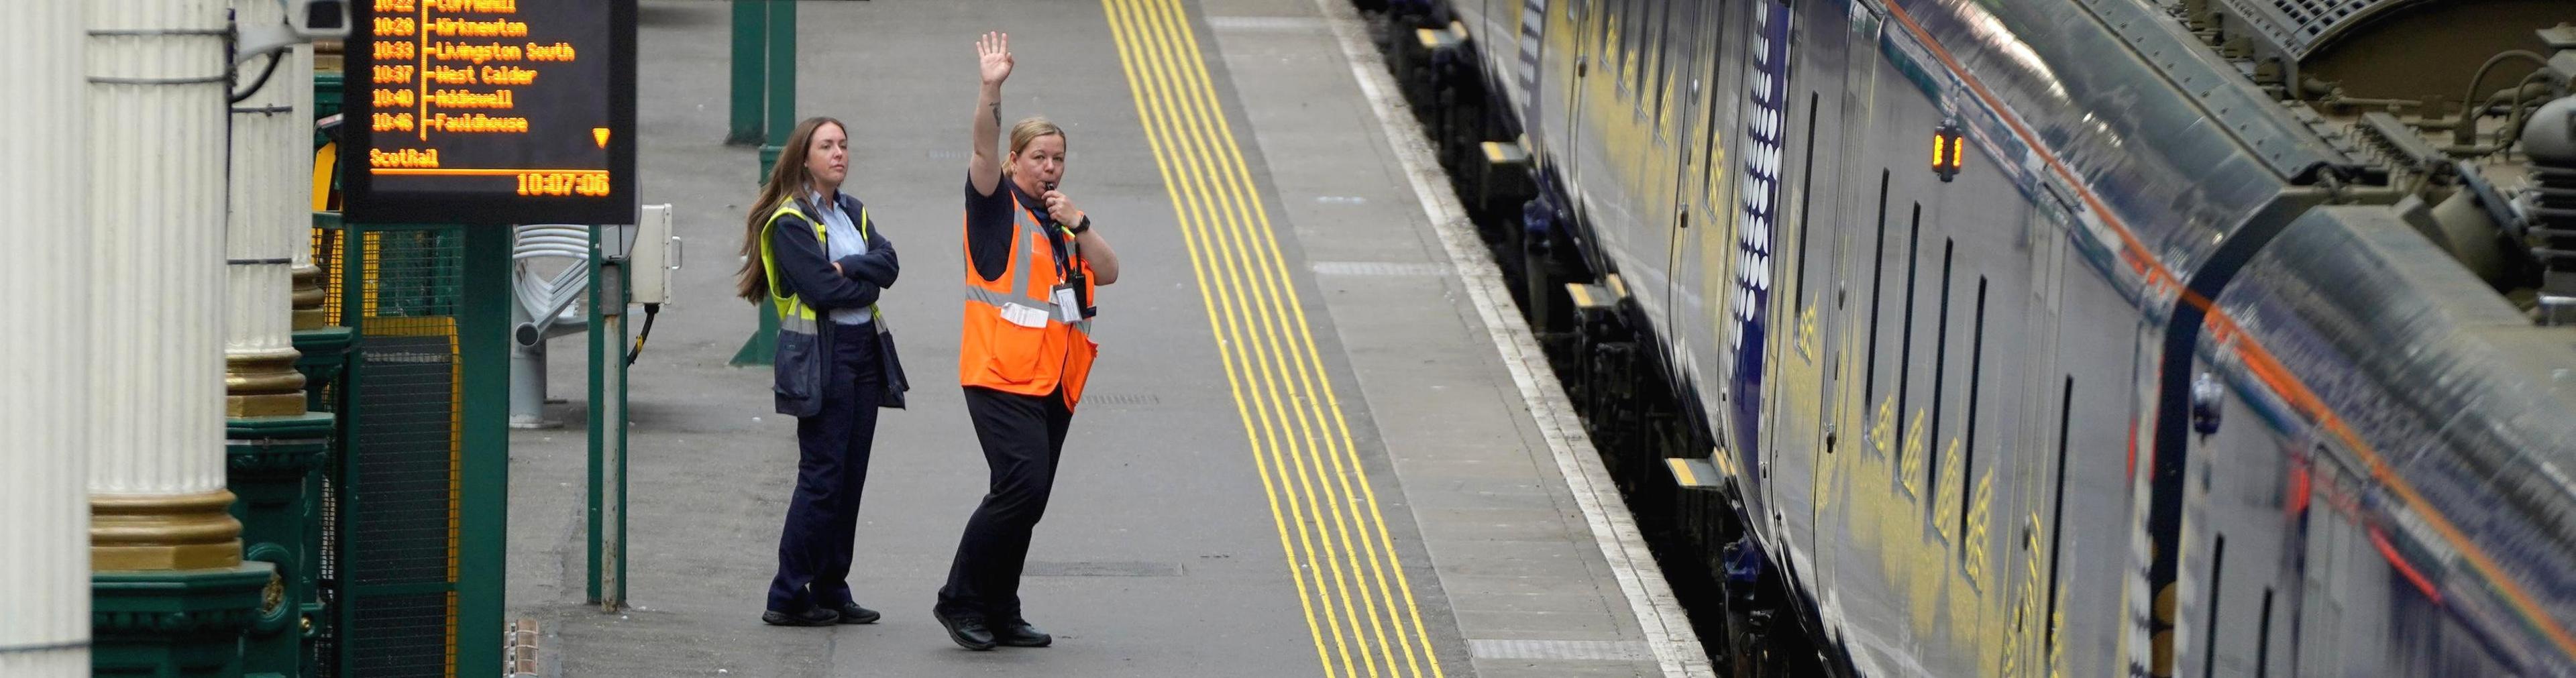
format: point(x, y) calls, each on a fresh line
point(489, 112)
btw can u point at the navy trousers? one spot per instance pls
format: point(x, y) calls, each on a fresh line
point(832, 466)
point(1023, 436)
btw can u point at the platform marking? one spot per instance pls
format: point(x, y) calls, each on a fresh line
point(1332, 533)
point(1560, 650)
point(1380, 268)
point(1667, 628)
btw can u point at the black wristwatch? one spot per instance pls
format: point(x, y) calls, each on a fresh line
point(1078, 229)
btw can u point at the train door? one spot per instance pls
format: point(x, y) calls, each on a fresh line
point(1807, 351)
point(1857, 236)
point(1679, 131)
point(1571, 43)
point(1755, 56)
point(1698, 185)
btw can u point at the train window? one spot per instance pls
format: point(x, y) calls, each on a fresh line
point(1603, 35)
point(2217, 565)
point(1905, 342)
point(1650, 73)
point(1632, 52)
point(1976, 374)
point(2057, 513)
point(1718, 91)
point(1806, 194)
point(2263, 639)
point(1615, 57)
point(1672, 60)
point(1940, 369)
point(1877, 291)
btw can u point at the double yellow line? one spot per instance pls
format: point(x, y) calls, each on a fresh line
point(1330, 529)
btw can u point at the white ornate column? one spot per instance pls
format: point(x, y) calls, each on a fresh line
point(156, 286)
point(44, 574)
point(273, 445)
point(169, 593)
point(267, 224)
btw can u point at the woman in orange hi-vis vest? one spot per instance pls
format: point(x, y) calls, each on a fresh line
point(1025, 350)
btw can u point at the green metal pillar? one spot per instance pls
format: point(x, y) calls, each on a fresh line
point(763, 344)
point(608, 295)
point(175, 623)
point(750, 30)
point(483, 363)
point(323, 358)
point(781, 86)
point(271, 463)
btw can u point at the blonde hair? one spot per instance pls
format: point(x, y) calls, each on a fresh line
point(787, 179)
point(1027, 131)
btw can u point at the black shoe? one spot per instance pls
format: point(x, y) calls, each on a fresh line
point(1018, 633)
point(969, 632)
point(851, 613)
point(814, 616)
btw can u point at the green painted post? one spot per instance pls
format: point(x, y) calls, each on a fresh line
point(781, 84)
point(750, 26)
point(341, 616)
point(324, 355)
point(763, 344)
point(607, 510)
point(483, 358)
point(270, 463)
point(175, 623)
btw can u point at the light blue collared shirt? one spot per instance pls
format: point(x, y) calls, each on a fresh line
point(842, 240)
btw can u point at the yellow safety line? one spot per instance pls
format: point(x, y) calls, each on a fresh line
point(1312, 474)
point(1264, 337)
point(1298, 553)
point(1234, 200)
point(1312, 376)
point(1331, 402)
point(1262, 345)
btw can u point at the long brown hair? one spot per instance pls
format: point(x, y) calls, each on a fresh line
point(787, 179)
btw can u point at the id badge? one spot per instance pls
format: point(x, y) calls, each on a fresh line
point(1024, 316)
point(1068, 308)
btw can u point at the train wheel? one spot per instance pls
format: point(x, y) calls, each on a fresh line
point(1752, 657)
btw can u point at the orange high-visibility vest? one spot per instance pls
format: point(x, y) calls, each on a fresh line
point(1012, 339)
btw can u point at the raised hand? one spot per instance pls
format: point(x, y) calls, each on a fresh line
point(993, 50)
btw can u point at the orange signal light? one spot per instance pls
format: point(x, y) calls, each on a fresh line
point(1948, 150)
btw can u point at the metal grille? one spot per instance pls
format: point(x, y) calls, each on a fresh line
point(2297, 26)
point(327, 249)
point(404, 635)
point(326, 635)
point(390, 504)
point(402, 463)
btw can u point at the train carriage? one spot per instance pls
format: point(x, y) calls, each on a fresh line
point(2083, 338)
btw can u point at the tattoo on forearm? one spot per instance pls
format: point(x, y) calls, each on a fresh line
point(997, 114)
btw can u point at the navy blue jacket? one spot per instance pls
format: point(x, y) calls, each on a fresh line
point(804, 271)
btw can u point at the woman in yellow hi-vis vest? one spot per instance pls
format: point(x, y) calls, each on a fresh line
point(1025, 350)
point(822, 263)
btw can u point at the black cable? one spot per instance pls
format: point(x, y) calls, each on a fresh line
point(650, 310)
point(273, 58)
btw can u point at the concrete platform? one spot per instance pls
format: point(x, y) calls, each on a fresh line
point(1313, 446)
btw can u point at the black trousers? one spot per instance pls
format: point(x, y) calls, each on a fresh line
point(832, 466)
point(1023, 436)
